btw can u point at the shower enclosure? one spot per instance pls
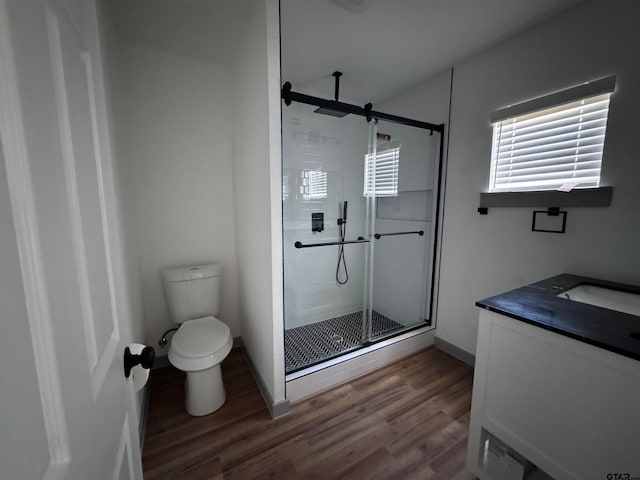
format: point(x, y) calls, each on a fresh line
point(360, 211)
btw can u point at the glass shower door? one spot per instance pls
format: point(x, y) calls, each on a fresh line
point(324, 216)
point(401, 171)
point(358, 230)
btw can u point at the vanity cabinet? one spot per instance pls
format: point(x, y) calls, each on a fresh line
point(570, 408)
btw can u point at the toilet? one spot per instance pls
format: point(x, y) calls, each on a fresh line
point(202, 341)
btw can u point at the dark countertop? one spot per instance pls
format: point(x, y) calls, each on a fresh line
point(538, 305)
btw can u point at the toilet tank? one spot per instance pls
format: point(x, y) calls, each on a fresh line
point(193, 292)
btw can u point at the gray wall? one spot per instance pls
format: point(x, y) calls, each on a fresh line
point(485, 255)
point(427, 101)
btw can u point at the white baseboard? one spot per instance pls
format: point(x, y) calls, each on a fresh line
point(275, 409)
point(306, 383)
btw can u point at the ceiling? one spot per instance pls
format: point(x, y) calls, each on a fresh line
point(393, 44)
point(381, 46)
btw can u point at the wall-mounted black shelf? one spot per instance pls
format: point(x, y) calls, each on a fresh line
point(580, 197)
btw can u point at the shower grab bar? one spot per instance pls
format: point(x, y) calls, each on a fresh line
point(378, 235)
point(326, 244)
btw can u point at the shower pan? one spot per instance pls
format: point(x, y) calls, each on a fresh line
point(346, 288)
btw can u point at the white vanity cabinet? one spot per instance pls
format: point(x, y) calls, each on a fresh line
point(570, 408)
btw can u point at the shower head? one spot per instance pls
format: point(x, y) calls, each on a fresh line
point(330, 111)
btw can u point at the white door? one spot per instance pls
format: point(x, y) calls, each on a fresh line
point(66, 409)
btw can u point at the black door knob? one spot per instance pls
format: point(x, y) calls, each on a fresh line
point(144, 358)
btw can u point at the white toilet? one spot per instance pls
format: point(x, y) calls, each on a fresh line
point(202, 341)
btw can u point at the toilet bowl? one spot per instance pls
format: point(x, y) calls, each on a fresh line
point(202, 341)
point(198, 348)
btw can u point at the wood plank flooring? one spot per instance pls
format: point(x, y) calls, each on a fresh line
point(408, 420)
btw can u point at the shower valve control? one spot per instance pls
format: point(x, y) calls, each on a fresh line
point(317, 222)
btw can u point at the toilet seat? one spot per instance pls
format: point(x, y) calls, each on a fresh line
point(199, 344)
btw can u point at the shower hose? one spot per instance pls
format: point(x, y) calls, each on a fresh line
point(342, 231)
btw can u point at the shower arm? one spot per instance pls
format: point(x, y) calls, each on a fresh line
point(337, 76)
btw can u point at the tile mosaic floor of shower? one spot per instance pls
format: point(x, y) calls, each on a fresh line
point(313, 343)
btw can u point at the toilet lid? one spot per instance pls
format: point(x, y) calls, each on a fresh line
point(200, 338)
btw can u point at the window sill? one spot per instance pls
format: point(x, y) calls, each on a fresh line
point(583, 197)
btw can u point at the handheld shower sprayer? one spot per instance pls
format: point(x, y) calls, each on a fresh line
point(342, 232)
point(343, 213)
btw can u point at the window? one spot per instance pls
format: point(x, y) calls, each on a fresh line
point(551, 142)
point(382, 181)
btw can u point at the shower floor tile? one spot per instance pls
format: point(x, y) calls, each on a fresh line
point(310, 344)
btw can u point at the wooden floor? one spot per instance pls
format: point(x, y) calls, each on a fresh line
point(407, 420)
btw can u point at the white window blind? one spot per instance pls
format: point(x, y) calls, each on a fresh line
point(551, 141)
point(382, 181)
point(550, 148)
point(315, 185)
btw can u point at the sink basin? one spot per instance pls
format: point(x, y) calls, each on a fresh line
point(605, 298)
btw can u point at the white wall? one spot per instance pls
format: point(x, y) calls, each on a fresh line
point(427, 101)
point(178, 121)
point(258, 198)
point(485, 255)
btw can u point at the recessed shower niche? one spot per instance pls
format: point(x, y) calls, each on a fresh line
point(367, 274)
